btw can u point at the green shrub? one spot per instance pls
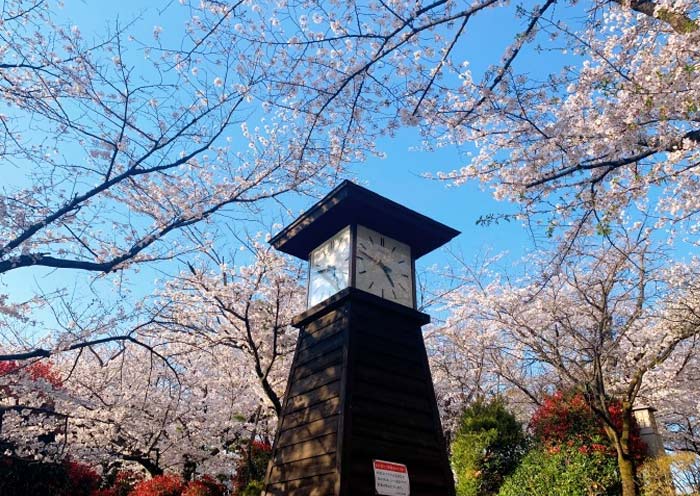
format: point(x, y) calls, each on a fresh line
point(487, 447)
point(563, 472)
point(253, 489)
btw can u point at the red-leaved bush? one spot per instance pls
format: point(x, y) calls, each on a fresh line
point(104, 492)
point(36, 371)
point(251, 467)
point(82, 479)
point(20, 477)
point(206, 486)
point(568, 420)
point(161, 485)
point(564, 418)
point(124, 483)
point(173, 485)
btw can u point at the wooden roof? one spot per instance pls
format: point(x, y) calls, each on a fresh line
point(352, 204)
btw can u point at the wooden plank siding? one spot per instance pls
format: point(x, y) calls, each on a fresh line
point(392, 404)
point(304, 457)
point(359, 389)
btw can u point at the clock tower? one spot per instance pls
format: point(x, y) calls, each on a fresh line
point(359, 414)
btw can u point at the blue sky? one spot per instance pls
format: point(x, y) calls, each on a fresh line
point(397, 177)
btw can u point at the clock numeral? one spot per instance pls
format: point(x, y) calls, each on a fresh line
point(401, 261)
point(370, 285)
point(370, 239)
point(381, 241)
point(362, 272)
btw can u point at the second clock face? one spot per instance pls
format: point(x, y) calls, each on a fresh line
point(383, 267)
point(329, 267)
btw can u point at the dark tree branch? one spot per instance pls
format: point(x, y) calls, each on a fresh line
point(680, 22)
point(610, 165)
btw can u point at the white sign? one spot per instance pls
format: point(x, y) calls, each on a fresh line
point(391, 479)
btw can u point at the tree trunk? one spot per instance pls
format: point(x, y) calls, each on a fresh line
point(151, 467)
point(628, 474)
point(189, 467)
point(625, 461)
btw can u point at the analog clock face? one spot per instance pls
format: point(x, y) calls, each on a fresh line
point(329, 267)
point(383, 267)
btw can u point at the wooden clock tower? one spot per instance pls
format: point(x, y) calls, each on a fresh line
point(359, 413)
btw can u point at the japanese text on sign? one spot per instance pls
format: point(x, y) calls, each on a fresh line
point(391, 479)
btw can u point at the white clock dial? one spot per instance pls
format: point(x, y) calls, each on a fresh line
point(383, 267)
point(329, 267)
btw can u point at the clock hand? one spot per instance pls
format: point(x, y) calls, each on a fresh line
point(376, 261)
point(385, 268)
point(332, 279)
point(386, 273)
point(335, 276)
point(362, 252)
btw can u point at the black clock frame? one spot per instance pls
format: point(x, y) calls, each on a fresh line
point(352, 268)
point(350, 205)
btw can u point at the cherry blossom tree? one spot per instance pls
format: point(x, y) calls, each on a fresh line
point(132, 408)
point(118, 149)
point(616, 321)
point(613, 131)
point(673, 394)
point(27, 405)
point(247, 309)
point(114, 148)
point(120, 407)
point(604, 119)
point(196, 382)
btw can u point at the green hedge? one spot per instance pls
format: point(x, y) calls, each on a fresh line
point(487, 447)
point(567, 472)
